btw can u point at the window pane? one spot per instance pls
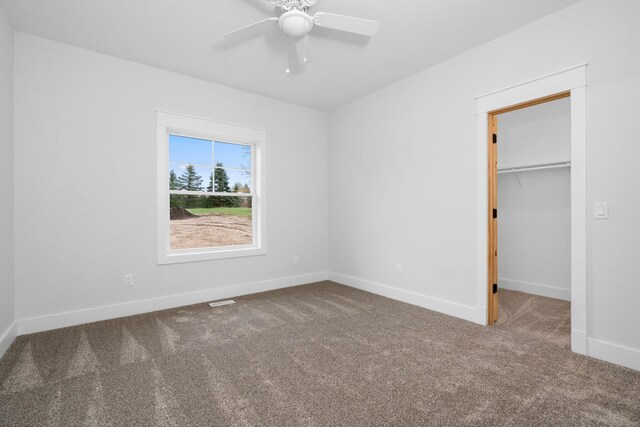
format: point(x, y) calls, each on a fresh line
point(234, 156)
point(188, 177)
point(232, 181)
point(210, 221)
point(192, 151)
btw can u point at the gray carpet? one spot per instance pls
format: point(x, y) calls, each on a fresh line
point(320, 354)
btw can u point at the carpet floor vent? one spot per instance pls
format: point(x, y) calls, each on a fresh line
point(221, 303)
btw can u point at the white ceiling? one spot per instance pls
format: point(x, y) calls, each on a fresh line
point(184, 36)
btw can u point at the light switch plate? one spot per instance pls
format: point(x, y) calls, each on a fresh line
point(601, 210)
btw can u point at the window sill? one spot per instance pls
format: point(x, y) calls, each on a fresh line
point(177, 257)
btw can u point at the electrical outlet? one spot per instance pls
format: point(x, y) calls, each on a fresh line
point(128, 279)
point(296, 260)
point(399, 269)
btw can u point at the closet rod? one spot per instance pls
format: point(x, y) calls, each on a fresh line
point(535, 167)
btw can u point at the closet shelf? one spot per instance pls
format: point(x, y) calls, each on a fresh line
point(541, 166)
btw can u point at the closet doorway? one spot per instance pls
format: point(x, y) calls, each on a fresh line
point(529, 200)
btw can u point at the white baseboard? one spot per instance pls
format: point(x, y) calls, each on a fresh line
point(535, 289)
point(613, 353)
point(95, 314)
point(7, 338)
point(579, 342)
point(472, 314)
point(595, 348)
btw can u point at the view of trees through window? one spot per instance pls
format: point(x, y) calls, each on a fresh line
point(210, 191)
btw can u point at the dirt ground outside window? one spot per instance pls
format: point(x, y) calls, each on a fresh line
point(206, 231)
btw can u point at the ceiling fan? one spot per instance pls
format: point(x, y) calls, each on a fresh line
point(296, 22)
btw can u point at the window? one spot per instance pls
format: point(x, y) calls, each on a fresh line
point(210, 189)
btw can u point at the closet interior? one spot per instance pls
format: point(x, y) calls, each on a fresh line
point(534, 200)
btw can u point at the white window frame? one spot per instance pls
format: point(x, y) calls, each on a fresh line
point(196, 127)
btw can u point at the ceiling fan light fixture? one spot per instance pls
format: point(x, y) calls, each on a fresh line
point(296, 23)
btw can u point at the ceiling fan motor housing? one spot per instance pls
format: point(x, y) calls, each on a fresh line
point(296, 23)
point(287, 5)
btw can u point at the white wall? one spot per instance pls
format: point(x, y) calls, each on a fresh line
point(534, 220)
point(6, 178)
point(403, 167)
point(85, 182)
point(535, 135)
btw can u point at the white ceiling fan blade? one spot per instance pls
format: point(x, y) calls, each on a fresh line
point(349, 24)
point(255, 24)
point(303, 49)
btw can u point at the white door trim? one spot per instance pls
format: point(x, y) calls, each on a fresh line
point(574, 80)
